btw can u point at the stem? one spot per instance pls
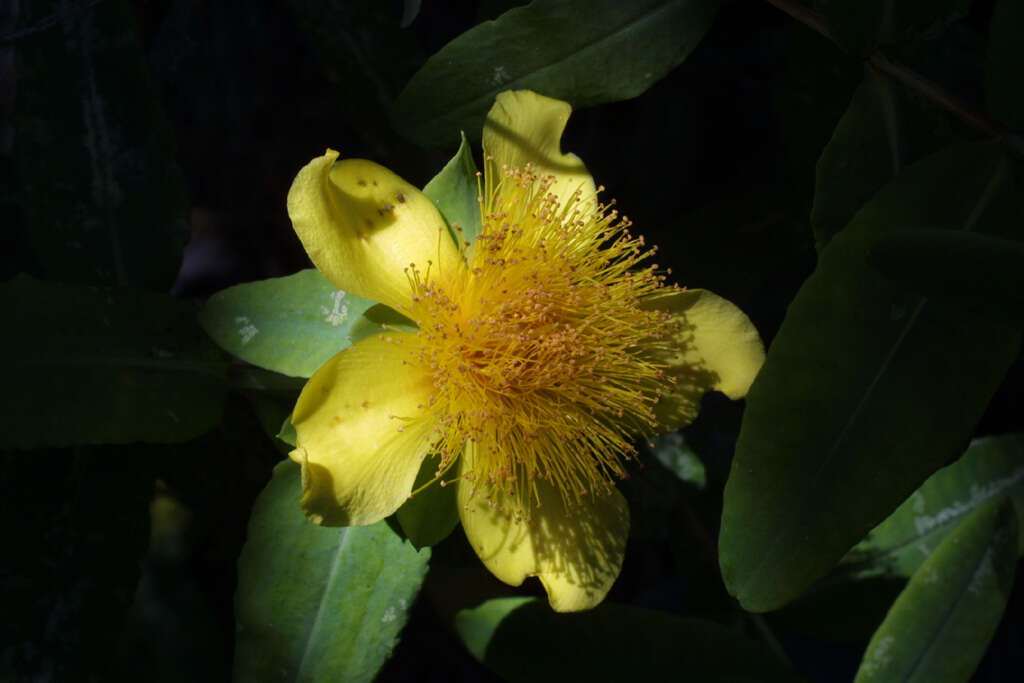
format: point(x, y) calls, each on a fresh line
point(909, 78)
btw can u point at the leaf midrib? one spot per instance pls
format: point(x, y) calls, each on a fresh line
point(315, 625)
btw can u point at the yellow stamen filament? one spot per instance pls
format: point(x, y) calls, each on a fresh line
point(539, 349)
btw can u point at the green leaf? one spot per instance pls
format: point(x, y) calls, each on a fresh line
point(367, 56)
point(1003, 94)
point(291, 325)
point(101, 197)
point(287, 432)
point(96, 365)
point(884, 128)
point(583, 51)
point(317, 603)
point(431, 514)
point(975, 271)
point(990, 468)
point(454, 190)
point(939, 627)
point(866, 389)
point(521, 639)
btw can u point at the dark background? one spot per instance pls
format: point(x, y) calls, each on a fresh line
point(715, 164)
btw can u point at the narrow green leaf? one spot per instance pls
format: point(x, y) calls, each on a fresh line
point(866, 389)
point(291, 325)
point(884, 129)
point(990, 468)
point(975, 271)
point(521, 639)
point(1005, 64)
point(939, 627)
point(102, 199)
point(98, 365)
point(583, 51)
point(317, 603)
point(454, 190)
point(287, 431)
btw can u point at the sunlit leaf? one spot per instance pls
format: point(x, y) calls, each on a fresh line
point(884, 129)
point(291, 325)
point(990, 468)
point(866, 389)
point(583, 51)
point(98, 365)
point(101, 197)
point(454, 190)
point(522, 639)
point(318, 603)
point(939, 627)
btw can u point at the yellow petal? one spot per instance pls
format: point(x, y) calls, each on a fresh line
point(362, 226)
point(524, 127)
point(359, 462)
point(576, 556)
point(718, 349)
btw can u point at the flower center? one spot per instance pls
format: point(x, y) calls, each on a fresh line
point(540, 350)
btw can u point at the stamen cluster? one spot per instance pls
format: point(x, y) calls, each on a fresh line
point(539, 348)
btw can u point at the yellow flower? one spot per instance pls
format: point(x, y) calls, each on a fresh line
point(543, 350)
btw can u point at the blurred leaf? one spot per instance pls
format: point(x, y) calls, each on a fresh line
point(866, 389)
point(75, 526)
point(860, 25)
point(105, 365)
point(291, 325)
point(672, 451)
point(884, 128)
point(101, 197)
point(368, 56)
point(981, 272)
point(583, 51)
point(1005, 64)
point(317, 603)
point(522, 639)
point(454, 190)
point(432, 514)
point(939, 627)
point(991, 467)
